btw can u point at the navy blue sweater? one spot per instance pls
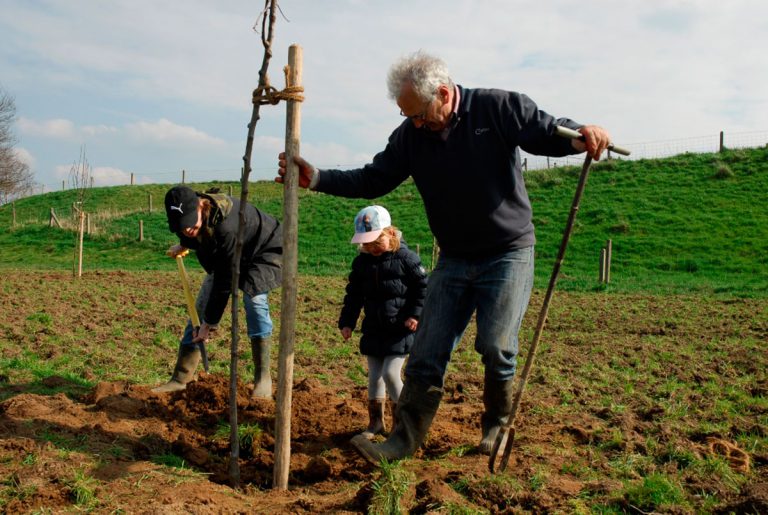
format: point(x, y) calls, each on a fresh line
point(471, 181)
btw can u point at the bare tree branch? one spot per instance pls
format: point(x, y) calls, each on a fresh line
point(15, 175)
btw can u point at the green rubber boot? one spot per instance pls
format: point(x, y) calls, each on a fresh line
point(497, 399)
point(262, 380)
point(184, 371)
point(416, 408)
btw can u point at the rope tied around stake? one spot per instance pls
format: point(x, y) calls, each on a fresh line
point(267, 94)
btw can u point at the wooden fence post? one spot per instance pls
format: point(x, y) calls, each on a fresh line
point(13, 208)
point(80, 230)
point(601, 274)
point(183, 176)
point(722, 141)
point(88, 223)
point(290, 272)
point(149, 199)
point(608, 253)
point(141, 230)
point(54, 220)
point(131, 178)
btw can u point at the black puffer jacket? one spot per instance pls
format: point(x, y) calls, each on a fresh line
point(261, 260)
point(389, 288)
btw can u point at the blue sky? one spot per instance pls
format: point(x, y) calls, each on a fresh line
point(151, 88)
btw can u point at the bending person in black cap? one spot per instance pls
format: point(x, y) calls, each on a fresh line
point(208, 224)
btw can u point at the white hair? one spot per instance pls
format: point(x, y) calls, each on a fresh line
point(423, 71)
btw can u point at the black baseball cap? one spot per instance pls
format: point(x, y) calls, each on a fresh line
point(181, 208)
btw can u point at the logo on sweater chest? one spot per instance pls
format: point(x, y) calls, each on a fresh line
point(481, 131)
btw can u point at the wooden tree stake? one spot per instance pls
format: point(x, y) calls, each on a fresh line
point(290, 269)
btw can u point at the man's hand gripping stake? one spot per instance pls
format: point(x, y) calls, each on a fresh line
point(506, 436)
point(191, 309)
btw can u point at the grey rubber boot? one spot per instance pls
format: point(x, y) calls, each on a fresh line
point(375, 418)
point(497, 399)
point(184, 371)
point(262, 380)
point(416, 408)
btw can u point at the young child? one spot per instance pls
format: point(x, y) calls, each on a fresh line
point(388, 283)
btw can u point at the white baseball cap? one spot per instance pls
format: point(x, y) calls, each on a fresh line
point(369, 223)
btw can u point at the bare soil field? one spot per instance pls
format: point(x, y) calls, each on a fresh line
point(626, 389)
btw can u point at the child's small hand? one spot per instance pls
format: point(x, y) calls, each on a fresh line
point(412, 324)
point(346, 332)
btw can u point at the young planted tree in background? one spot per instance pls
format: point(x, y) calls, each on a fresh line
point(15, 175)
point(80, 181)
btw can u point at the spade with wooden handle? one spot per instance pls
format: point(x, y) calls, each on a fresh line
point(191, 309)
point(506, 436)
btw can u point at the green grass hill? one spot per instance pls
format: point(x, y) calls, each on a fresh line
point(693, 223)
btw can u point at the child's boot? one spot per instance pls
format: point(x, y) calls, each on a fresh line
point(375, 418)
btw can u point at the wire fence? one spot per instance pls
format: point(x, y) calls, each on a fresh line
point(662, 148)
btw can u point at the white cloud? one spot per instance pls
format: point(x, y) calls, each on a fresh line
point(108, 176)
point(98, 130)
point(165, 131)
point(101, 176)
point(160, 131)
point(56, 128)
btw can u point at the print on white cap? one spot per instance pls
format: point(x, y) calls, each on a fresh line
point(369, 223)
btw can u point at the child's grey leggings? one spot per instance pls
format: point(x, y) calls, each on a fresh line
point(384, 377)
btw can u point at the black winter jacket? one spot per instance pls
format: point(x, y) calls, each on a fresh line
point(261, 260)
point(389, 288)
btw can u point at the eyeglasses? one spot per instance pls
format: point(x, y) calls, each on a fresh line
point(422, 116)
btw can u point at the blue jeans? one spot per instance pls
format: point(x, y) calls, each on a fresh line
point(498, 288)
point(256, 312)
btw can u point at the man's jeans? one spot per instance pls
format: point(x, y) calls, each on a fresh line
point(256, 312)
point(498, 288)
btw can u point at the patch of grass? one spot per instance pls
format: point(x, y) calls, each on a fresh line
point(460, 450)
point(538, 480)
point(672, 453)
point(388, 489)
point(31, 369)
point(654, 492)
point(170, 460)
point(630, 465)
point(613, 442)
point(64, 442)
point(14, 490)
point(358, 374)
point(719, 468)
point(578, 469)
point(82, 489)
point(41, 318)
point(248, 435)
point(452, 508)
